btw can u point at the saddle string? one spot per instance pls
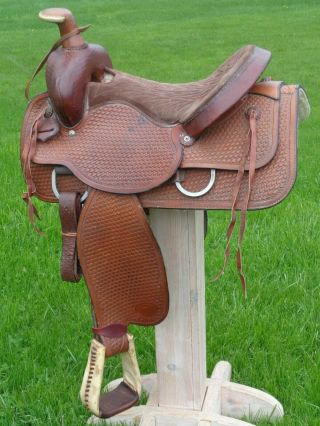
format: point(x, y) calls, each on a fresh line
point(55, 46)
point(244, 209)
point(233, 220)
point(26, 156)
point(249, 148)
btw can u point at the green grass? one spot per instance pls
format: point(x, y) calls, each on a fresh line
point(272, 339)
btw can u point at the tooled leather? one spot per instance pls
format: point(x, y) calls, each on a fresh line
point(220, 146)
point(121, 261)
point(272, 182)
point(115, 149)
point(42, 177)
point(42, 174)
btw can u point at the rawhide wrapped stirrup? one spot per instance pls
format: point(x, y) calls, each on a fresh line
point(125, 395)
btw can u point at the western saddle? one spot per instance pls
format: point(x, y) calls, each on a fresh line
point(107, 146)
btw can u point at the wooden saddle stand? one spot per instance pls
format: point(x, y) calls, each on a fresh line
point(109, 148)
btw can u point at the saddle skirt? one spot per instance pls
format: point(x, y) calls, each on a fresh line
point(117, 148)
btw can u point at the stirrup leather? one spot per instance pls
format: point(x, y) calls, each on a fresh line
point(124, 396)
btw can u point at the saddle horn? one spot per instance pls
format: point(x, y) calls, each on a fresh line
point(66, 23)
point(71, 65)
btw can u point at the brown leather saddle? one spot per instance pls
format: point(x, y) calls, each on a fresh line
point(107, 145)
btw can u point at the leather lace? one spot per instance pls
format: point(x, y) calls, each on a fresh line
point(55, 46)
point(249, 149)
point(26, 156)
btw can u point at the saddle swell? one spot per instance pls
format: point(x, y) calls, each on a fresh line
point(71, 65)
point(107, 145)
point(69, 70)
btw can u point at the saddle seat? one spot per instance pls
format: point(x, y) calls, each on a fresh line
point(182, 103)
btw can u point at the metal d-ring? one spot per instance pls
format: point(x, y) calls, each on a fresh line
point(199, 193)
point(63, 171)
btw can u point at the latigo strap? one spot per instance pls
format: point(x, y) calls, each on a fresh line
point(69, 208)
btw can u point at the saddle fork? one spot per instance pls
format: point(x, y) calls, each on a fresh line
point(124, 396)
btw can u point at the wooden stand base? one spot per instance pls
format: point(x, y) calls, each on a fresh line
point(224, 404)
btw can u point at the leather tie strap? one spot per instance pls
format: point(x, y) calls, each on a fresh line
point(244, 209)
point(69, 209)
point(55, 46)
point(26, 155)
point(249, 148)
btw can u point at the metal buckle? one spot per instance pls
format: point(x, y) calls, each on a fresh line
point(199, 193)
point(61, 170)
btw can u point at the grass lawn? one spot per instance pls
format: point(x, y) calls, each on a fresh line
point(272, 339)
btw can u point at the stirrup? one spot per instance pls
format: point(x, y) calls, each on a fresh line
point(124, 396)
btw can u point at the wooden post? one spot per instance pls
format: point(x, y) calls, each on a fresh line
point(180, 338)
